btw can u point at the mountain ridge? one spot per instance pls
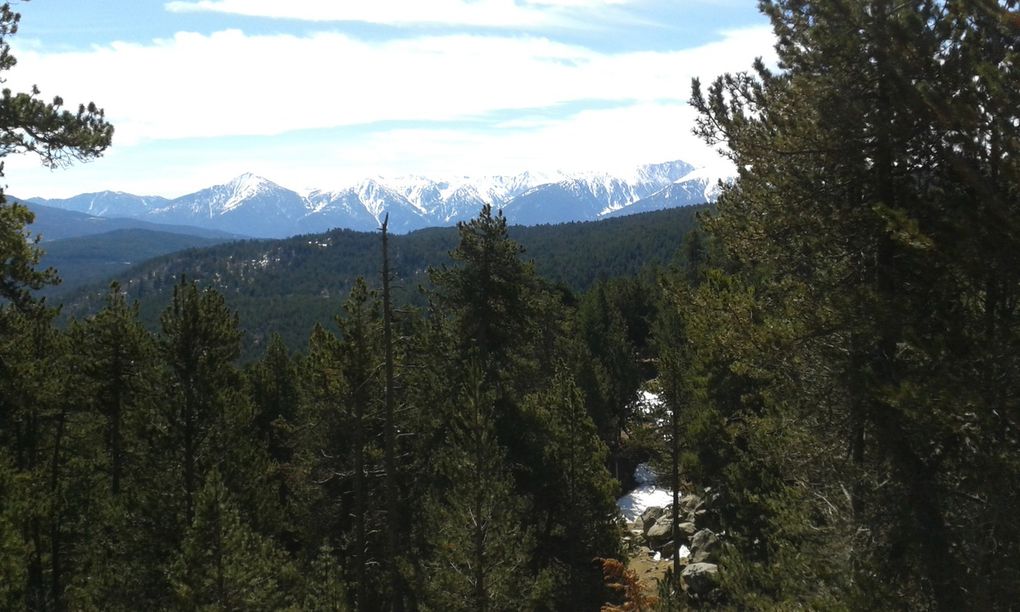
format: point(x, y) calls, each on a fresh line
point(255, 206)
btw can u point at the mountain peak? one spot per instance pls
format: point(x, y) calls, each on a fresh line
point(249, 182)
point(252, 205)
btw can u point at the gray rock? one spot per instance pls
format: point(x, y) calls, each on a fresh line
point(690, 503)
point(700, 578)
point(666, 550)
point(705, 547)
point(687, 530)
point(662, 531)
point(648, 518)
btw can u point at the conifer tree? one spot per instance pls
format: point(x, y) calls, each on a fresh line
point(56, 136)
point(489, 295)
point(113, 376)
point(224, 564)
point(392, 480)
point(574, 497)
point(850, 300)
point(117, 361)
point(479, 546)
point(199, 342)
point(358, 362)
point(344, 385)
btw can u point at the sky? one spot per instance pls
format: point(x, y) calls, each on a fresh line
point(320, 93)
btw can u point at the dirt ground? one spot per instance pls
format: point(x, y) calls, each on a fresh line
point(648, 570)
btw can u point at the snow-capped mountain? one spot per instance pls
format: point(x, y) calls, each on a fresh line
point(698, 185)
point(590, 196)
point(249, 205)
point(107, 204)
point(254, 206)
point(361, 207)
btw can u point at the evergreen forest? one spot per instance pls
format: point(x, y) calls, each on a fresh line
point(837, 344)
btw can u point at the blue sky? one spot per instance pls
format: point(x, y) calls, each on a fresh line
point(316, 93)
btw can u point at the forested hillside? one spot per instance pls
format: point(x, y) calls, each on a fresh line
point(94, 258)
point(287, 286)
point(836, 345)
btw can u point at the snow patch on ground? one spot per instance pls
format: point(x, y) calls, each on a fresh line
point(685, 553)
point(648, 402)
point(640, 499)
point(646, 496)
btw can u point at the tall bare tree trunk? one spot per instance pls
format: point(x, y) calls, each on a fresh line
point(389, 433)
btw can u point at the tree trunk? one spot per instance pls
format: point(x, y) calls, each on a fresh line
point(389, 433)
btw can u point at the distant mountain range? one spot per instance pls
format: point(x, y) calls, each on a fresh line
point(253, 206)
point(54, 223)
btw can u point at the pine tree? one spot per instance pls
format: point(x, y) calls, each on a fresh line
point(199, 342)
point(850, 299)
point(480, 549)
point(113, 375)
point(490, 296)
point(224, 564)
point(31, 427)
point(574, 503)
point(344, 384)
point(117, 361)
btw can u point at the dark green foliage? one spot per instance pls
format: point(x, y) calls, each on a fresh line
point(287, 286)
point(612, 372)
point(489, 294)
point(223, 564)
point(575, 496)
point(200, 341)
point(481, 548)
point(18, 274)
point(89, 259)
point(831, 356)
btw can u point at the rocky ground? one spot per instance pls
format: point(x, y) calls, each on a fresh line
point(650, 539)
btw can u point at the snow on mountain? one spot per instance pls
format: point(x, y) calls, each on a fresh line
point(697, 186)
point(255, 206)
point(106, 204)
point(589, 196)
point(218, 200)
point(248, 205)
point(711, 177)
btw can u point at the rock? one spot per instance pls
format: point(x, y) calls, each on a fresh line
point(648, 518)
point(687, 530)
point(700, 578)
point(690, 503)
point(705, 547)
point(667, 549)
point(662, 531)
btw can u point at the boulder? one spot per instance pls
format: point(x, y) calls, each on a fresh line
point(687, 529)
point(662, 531)
point(648, 518)
point(700, 578)
point(667, 549)
point(705, 547)
point(690, 503)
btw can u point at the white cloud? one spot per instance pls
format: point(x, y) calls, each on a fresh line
point(485, 13)
point(578, 3)
point(613, 139)
point(607, 139)
point(231, 83)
